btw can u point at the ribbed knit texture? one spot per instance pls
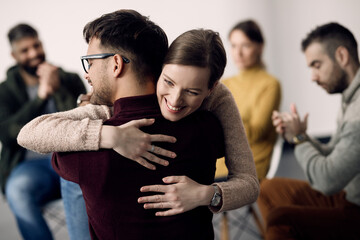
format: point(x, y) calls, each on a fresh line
point(257, 94)
point(74, 130)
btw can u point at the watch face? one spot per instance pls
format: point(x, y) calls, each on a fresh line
point(216, 200)
point(301, 137)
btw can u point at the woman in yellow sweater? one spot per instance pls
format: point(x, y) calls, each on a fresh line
point(256, 92)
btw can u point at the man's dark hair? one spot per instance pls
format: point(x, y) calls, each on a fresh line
point(133, 35)
point(21, 31)
point(331, 36)
point(201, 48)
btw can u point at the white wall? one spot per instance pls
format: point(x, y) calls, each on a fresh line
point(284, 23)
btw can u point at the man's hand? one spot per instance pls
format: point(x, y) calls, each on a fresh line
point(181, 195)
point(278, 122)
point(289, 124)
point(136, 145)
point(49, 80)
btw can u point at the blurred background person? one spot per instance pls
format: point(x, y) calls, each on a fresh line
point(327, 204)
point(33, 87)
point(256, 92)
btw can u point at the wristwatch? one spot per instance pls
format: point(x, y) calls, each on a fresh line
point(216, 199)
point(300, 138)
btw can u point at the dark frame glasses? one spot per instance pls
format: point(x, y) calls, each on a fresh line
point(98, 56)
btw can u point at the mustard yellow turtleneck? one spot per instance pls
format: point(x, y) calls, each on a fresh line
point(257, 94)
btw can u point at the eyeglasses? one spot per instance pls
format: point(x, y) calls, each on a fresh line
point(85, 59)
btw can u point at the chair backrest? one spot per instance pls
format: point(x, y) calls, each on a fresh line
point(275, 157)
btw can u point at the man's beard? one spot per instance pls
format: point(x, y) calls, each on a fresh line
point(32, 70)
point(102, 96)
point(341, 84)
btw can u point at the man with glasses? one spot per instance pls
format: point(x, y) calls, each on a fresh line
point(85, 59)
point(125, 57)
point(33, 87)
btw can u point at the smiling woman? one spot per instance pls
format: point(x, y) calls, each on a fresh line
point(181, 90)
point(187, 83)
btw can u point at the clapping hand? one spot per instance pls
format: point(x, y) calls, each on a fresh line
point(49, 80)
point(289, 124)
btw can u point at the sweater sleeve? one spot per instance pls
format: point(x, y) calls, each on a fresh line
point(11, 120)
point(260, 124)
point(74, 130)
point(330, 173)
point(242, 186)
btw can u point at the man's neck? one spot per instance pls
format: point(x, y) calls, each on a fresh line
point(353, 69)
point(133, 88)
point(29, 79)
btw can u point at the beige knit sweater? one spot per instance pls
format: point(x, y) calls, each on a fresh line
point(79, 130)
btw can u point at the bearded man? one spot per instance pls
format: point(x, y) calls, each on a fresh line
point(33, 87)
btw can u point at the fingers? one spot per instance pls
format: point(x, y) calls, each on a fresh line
point(162, 152)
point(286, 117)
point(306, 118)
point(159, 205)
point(277, 121)
point(46, 68)
point(155, 137)
point(275, 115)
point(162, 138)
point(151, 157)
point(154, 188)
point(279, 129)
point(305, 121)
point(139, 123)
point(145, 163)
point(170, 212)
point(293, 108)
point(173, 179)
point(142, 122)
point(162, 202)
point(151, 199)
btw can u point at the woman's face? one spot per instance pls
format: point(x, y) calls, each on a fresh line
point(245, 52)
point(181, 90)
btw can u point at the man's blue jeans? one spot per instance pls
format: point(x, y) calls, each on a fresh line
point(29, 187)
point(75, 212)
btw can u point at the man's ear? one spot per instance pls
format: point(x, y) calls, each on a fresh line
point(13, 55)
point(118, 65)
point(342, 56)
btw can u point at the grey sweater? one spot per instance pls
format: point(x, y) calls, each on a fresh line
point(335, 166)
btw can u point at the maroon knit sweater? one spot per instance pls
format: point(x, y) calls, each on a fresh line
point(111, 183)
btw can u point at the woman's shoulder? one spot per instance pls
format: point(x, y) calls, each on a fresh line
point(220, 95)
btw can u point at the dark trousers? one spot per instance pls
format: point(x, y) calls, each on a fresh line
point(291, 209)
